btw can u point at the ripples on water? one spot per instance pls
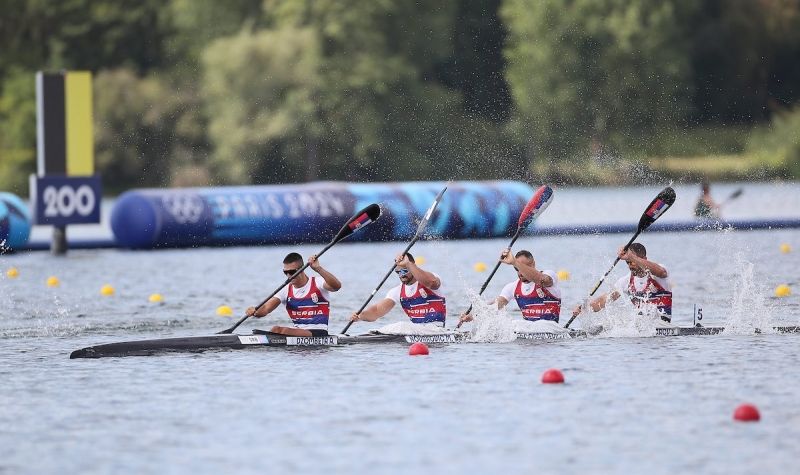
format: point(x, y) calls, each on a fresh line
point(630, 404)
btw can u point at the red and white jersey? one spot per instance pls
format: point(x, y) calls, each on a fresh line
point(647, 290)
point(535, 302)
point(308, 306)
point(421, 304)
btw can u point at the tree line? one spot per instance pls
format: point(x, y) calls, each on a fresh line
point(265, 91)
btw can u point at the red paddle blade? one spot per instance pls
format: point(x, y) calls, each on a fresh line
point(540, 200)
point(364, 217)
point(657, 207)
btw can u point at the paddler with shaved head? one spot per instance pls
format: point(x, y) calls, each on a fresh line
point(419, 295)
point(647, 284)
point(536, 292)
point(306, 298)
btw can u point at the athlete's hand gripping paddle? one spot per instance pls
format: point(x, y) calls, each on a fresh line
point(364, 217)
point(654, 210)
point(420, 229)
point(537, 204)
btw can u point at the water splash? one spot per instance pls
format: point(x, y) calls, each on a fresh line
point(621, 319)
point(749, 311)
point(489, 323)
point(746, 308)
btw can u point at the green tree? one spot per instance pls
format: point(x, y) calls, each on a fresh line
point(83, 34)
point(779, 142)
point(52, 35)
point(259, 90)
point(594, 71)
point(146, 129)
point(17, 130)
point(196, 23)
point(476, 67)
point(333, 90)
point(745, 58)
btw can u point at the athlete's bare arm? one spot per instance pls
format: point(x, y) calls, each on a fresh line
point(374, 311)
point(265, 309)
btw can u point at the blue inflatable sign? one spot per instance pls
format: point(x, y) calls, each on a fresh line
point(311, 212)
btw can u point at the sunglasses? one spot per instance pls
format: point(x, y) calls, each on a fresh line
point(290, 271)
point(401, 272)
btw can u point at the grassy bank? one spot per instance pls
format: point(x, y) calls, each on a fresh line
point(731, 153)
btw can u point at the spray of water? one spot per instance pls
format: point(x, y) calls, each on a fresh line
point(489, 323)
point(620, 319)
point(749, 311)
point(746, 309)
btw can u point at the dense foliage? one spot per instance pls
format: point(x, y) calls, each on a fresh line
point(263, 91)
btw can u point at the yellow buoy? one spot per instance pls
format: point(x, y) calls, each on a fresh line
point(479, 267)
point(419, 260)
point(224, 311)
point(563, 274)
point(783, 290)
point(785, 248)
point(155, 298)
point(12, 273)
point(53, 281)
point(106, 290)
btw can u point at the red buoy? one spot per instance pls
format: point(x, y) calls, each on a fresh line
point(417, 349)
point(552, 376)
point(746, 413)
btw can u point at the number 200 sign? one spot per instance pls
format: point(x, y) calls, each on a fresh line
point(66, 200)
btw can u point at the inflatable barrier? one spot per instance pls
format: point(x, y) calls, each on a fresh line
point(311, 212)
point(15, 222)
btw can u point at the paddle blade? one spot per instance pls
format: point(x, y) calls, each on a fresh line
point(427, 217)
point(538, 203)
point(657, 207)
point(364, 217)
point(736, 194)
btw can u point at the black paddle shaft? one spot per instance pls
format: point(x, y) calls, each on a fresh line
point(375, 291)
point(496, 266)
point(362, 218)
point(616, 261)
point(536, 205)
point(420, 228)
point(732, 197)
point(602, 279)
point(667, 198)
point(284, 284)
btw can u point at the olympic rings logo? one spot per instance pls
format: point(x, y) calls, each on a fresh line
point(184, 208)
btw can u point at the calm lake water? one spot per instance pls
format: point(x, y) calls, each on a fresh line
point(631, 404)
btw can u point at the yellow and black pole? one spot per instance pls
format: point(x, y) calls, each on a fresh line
point(65, 189)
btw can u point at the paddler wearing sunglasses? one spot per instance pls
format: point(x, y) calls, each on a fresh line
point(306, 301)
point(419, 295)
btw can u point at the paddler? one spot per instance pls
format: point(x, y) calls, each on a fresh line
point(706, 207)
point(646, 284)
point(419, 295)
point(306, 298)
point(536, 292)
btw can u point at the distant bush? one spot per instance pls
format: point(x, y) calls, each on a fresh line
point(779, 142)
point(17, 131)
